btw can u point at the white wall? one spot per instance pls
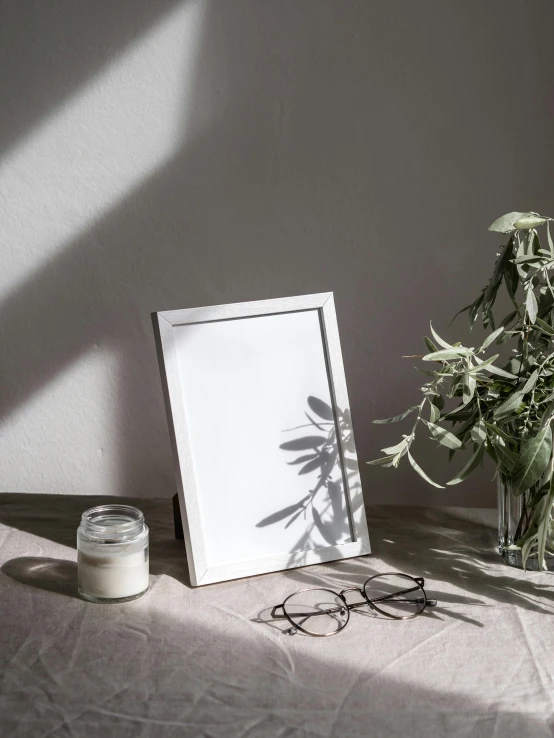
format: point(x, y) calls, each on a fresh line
point(167, 154)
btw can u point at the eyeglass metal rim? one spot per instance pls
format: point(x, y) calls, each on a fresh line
point(419, 581)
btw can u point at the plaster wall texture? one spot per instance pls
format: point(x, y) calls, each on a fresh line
point(172, 154)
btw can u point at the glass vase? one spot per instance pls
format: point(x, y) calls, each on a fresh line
point(515, 516)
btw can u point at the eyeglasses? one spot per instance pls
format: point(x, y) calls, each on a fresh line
point(323, 612)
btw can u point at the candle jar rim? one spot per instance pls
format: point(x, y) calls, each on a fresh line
point(112, 522)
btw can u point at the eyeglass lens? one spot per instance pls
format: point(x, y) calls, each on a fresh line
point(317, 611)
point(395, 595)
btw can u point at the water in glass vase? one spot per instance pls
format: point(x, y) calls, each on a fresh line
point(524, 525)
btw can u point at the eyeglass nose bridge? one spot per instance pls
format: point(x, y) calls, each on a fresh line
point(358, 590)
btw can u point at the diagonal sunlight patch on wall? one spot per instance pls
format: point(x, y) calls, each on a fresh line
point(113, 134)
point(69, 428)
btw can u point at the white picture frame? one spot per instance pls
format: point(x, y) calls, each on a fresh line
point(264, 455)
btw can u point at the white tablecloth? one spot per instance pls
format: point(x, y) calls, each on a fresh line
point(210, 662)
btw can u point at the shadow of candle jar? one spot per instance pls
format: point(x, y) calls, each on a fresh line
point(52, 575)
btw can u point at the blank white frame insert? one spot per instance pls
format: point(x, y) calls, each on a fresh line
point(259, 419)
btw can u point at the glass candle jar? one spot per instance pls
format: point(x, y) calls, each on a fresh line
point(112, 554)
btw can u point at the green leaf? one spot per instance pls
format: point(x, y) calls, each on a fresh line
point(492, 338)
point(482, 364)
point(505, 224)
point(397, 418)
point(461, 431)
point(396, 449)
point(396, 459)
point(546, 399)
point(545, 328)
point(492, 369)
point(531, 304)
point(488, 316)
point(509, 406)
point(479, 432)
point(474, 310)
point(382, 461)
point(499, 372)
point(430, 345)
point(438, 339)
point(532, 461)
point(546, 302)
point(434, 413)
point(491, 450)
point(530, 383)
point(446, 354)
point(531, 259)
point(526, 550)
point(539, 494)
point(511, 280)
point(506, 457)
point(546, 417)
point(500, 267)
point(469, 385)
point(549, 237)
point(459, 413)
point(455, 385)
point(470, 466)
point(499, 432)
point(517, 243)
point(529, 221)
point(421, 473)
point(530, 533)
point(438, 400)
point(443, 436)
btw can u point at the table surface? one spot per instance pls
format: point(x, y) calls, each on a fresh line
point(211, 662)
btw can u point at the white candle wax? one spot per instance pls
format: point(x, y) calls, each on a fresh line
point(112, 575)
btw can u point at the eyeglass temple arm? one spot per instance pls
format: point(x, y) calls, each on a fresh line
point(306, 615)
point(421, 582)
point(394, 596)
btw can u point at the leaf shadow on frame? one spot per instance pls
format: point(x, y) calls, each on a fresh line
point(315, 449)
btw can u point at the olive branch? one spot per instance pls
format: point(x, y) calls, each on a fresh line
point(503, 408)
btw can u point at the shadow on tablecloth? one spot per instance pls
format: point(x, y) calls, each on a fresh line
point(201, 663)
point(448, 546)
